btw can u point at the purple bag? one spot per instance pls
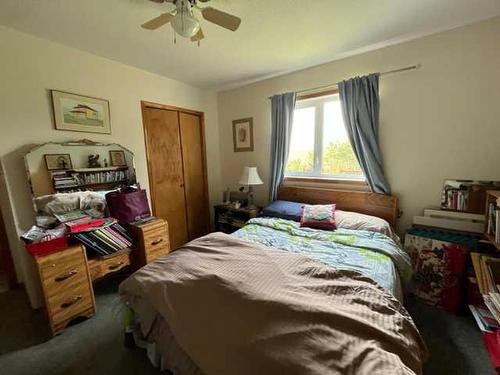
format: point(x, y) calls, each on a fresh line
point(128, 205)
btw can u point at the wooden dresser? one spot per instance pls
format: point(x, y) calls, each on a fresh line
point(66, 276)
point(66, 285)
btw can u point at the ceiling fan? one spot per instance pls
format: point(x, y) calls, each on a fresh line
point(185, 23)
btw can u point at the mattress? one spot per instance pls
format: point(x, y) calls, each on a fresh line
point(371, 254)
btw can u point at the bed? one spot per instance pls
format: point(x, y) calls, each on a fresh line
point(275, 297)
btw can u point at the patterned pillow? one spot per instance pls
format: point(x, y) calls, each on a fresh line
point(321, 216)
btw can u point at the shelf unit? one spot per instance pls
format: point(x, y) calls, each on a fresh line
point(466, 195)
point(492, 196)
point(78, 179)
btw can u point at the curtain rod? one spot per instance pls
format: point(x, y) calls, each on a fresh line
point(412, 67)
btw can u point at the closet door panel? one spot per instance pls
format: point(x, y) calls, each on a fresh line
point(163, 144)
point(193, 156)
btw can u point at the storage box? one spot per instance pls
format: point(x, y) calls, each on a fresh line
point(47, 247)
point(439, 264)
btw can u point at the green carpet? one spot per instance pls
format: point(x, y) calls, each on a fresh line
point(95, 346)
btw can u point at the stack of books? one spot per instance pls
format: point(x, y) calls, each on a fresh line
point(105, 240)
point(493, 224)
point(457, 199)
point(487, 270)
point(102, 177)
point(487, 316)
point(63, 180)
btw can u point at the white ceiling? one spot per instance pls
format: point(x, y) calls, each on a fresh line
point(275, 36)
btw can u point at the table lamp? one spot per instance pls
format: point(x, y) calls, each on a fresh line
point(250, 177)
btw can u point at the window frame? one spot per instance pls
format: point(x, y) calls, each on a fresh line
point(317, 101)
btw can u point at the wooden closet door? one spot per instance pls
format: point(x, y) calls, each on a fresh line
point(166, 183)
point(193, 157)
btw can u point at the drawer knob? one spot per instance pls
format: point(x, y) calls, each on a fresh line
point(115, 266)
point(66, 276)
point(72, 301)
point(156, 242)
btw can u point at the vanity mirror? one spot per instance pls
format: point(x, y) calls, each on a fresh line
point(78, 166)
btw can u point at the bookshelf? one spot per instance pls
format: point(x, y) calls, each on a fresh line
point(492, 218)
point(466, 195)
point(107, 178)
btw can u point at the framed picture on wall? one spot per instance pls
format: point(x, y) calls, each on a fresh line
point(117, 158)
point(56, 162)
point(243, 135)
point(80, 113)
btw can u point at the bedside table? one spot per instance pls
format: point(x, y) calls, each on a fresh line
point(229, 219)
point(151, 240)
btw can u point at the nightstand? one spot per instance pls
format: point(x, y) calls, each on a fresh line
point(151, 240)
point(229, 219)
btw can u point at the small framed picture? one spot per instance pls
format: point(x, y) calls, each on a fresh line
point(117, 158)
point(80, 113)
point(243, 135)
point(56, 162)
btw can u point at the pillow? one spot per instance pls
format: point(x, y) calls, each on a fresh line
point(284, 210)
point(321, 216)
point(354, 220)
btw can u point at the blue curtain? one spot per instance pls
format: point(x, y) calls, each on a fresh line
point(282, 107)
point(360, 107)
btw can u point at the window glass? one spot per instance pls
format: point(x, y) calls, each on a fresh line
point(319, 145)
point(338, 158)
point(301, 154)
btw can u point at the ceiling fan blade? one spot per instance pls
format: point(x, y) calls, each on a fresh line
point(198, 36)
point(157, 22)
point(157, 1)
point(221, 18)
point(203, 1)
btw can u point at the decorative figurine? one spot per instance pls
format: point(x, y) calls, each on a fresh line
point(94, 161)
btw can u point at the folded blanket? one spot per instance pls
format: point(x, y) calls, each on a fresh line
point(236, 307)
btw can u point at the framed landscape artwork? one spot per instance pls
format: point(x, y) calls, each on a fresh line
point(243, 135)
point(80, 113)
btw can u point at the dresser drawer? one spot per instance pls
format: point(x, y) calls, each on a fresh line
point(156, 244)
point(67, 305)
point(58, 264)
point(101, 267)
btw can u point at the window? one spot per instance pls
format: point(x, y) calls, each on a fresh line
point(319, 146)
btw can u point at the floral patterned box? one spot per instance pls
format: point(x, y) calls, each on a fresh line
point(439, 263)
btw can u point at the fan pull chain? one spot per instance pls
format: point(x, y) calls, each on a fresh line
point(175, 38)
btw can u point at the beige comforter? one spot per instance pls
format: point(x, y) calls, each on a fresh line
point(240, 308)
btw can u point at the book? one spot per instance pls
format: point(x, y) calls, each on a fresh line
point(69, 216)
point(101, 237)
point(122, 231)
point(90, 244)
point(109, 248)
point(484, 319)
point(476, 264)
point(491, 272)
point(104, 234)
point(491, 306)
point(119, 237)
point(84, 223)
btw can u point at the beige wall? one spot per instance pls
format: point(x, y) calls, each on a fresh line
point(440, 121)
point(29, 67)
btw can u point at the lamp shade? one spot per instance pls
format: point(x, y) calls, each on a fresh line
point(184, 22)
point(250, 176)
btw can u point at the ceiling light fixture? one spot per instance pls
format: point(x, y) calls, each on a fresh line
point(184, 22)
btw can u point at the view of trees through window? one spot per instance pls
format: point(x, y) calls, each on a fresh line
point(328, 155)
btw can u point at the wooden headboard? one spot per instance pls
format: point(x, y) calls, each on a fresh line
point(380, 205)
